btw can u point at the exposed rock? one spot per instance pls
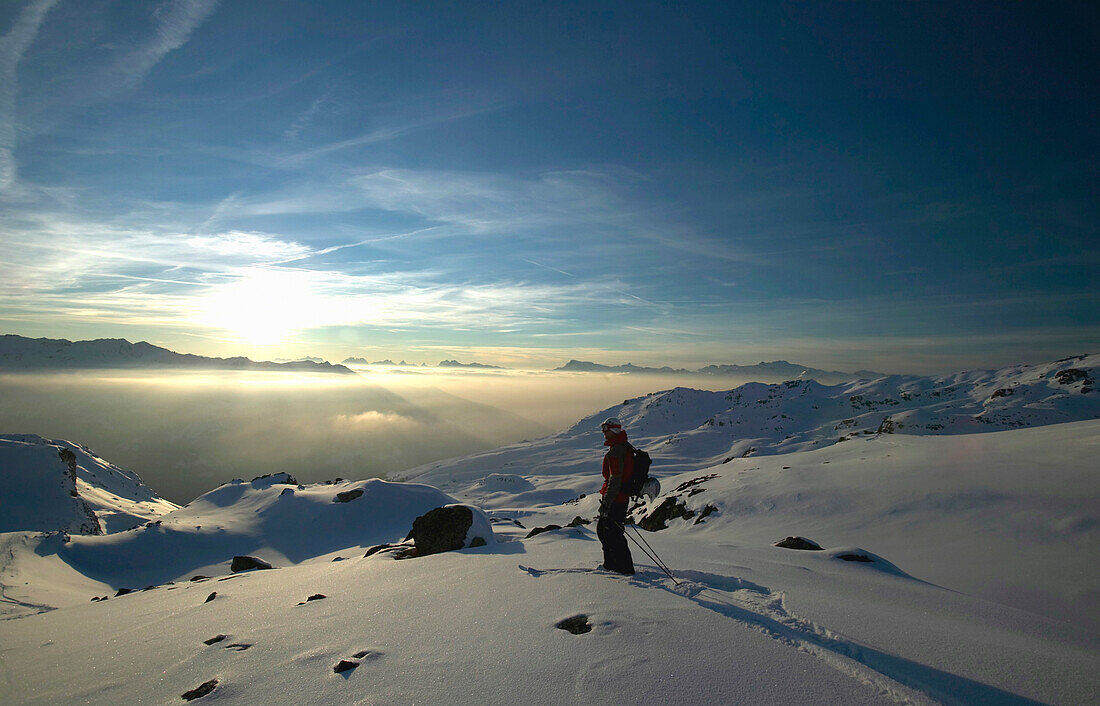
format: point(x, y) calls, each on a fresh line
point(1071, 375)
point(344, 665)
point(669, 509)
point(705, 512)
point(1003, 392)
point(441, 530)
point(215, 639)
point(348, 495)
point(199, 577)
point(200, 691)
point(578, 625)
point(540, 530)
point(123, 592)
point(887, 426)
point(288, 479)
point(248, 563)
point(694, 481)
point(478, 542)
point(403, 550)
point(855, 557)
point(239, 646)
point(211, 597)
point(314, 597)
point(799, 543)
point(578, 521)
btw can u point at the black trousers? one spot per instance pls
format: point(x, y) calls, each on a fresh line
point(616, 553)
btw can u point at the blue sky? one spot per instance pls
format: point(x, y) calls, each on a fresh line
point(907, 187)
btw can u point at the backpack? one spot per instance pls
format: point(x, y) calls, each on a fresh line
point(636, 484)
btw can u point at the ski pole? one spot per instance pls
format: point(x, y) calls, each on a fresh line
point(651, 552)
point(657, 558)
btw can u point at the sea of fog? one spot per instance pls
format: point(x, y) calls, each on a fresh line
point(185, 433)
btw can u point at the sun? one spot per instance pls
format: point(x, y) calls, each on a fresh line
point(262, 308)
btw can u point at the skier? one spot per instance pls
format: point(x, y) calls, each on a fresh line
point(618, 464)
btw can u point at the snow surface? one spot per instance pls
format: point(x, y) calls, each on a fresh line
point(982, 585)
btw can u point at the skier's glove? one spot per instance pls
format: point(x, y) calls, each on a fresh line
point(605, 509)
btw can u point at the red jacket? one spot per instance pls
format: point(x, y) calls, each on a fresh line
point(618, 466)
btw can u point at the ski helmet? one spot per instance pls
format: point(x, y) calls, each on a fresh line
point(611, 424)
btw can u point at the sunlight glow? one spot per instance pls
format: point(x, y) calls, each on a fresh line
point(264, 307)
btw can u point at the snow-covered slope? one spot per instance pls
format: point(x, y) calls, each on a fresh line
point(746, 623)
point(62, 486)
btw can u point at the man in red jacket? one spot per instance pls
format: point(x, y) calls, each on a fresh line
point(618, 465)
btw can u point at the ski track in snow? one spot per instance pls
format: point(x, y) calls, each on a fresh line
point(762, 609)
point(9, 561)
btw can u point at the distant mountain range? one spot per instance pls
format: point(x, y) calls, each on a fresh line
point(442, 364)
point(21, 353)
point(775, 371)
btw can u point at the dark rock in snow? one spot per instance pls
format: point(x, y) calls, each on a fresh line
point(348, 495)
point(239, 646)
point(199, 577)
point(200, 691)
point(539, 530)
point(211, 597)
point(670, 509)
point(215, 639)
point(405, 550)
point(799, 543)
point(344, 665)
point(314, 597)
point(123, 592)
point(705, 512)
point(1071, 375)
point(514, 521)
point(441, 530)
point(855, 557)
point(478, 542)
point(578, 521)
point(248, 563)
point(578, 625)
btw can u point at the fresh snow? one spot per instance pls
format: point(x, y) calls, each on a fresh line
point(982, 586)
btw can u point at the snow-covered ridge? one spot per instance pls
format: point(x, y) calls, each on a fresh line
point(686, 429)
point(272, 516)
point(61, 486)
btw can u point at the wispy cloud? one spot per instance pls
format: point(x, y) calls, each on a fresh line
point(426, 113)
point(305, 119)
point(175, 21)
point(13, 46)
